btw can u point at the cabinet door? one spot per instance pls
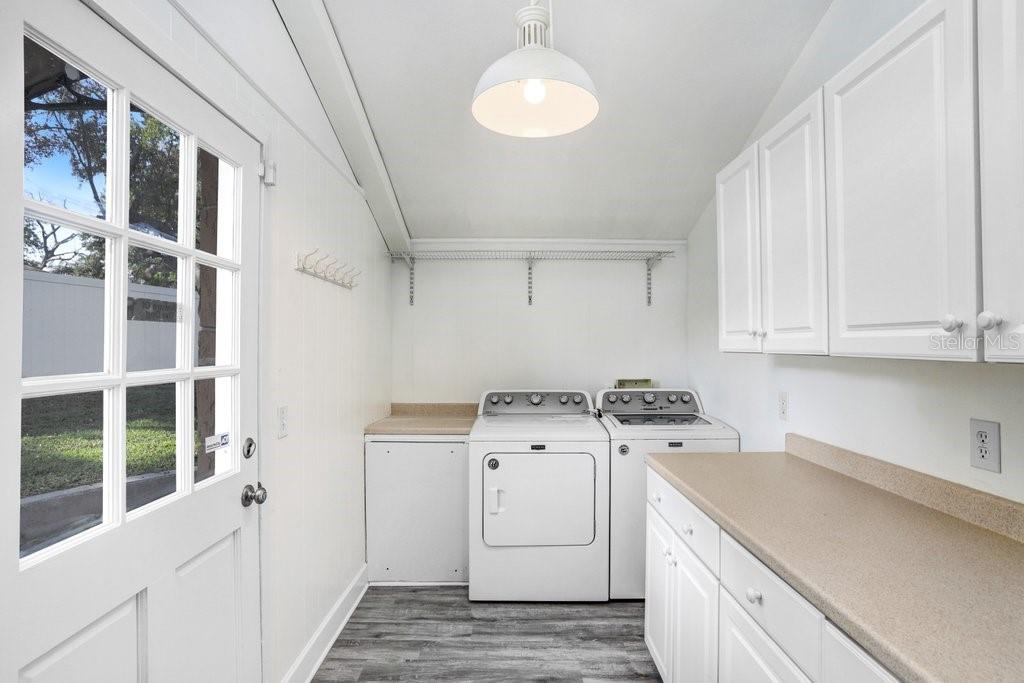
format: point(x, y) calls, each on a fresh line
point(695, 636)
point(745, 653)
point(1001, 92)
point(793, 258)
point(739, 255)
point(842, 661)
point(658, 593)
point(900, 177)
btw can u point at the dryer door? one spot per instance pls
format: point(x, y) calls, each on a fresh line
point(538, 499)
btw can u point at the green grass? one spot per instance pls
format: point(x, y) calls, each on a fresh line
point(62, 437)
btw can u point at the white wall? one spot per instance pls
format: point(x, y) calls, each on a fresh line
point(324, 350)
point(913, 413)
point(471, 329)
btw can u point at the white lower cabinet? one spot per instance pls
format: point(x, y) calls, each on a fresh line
point(732, 619)
point(745, 652)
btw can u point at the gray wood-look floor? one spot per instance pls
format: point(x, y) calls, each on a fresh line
point(436, 633)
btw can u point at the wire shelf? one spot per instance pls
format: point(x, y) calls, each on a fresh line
point(532, 255)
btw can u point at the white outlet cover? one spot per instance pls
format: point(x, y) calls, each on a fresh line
point(282, 422)
point(784, 406)
point(986, 445)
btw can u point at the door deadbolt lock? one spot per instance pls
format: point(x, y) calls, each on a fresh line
point(251, 494)
point(493, 463)
point(249, 448)
point(623, 449)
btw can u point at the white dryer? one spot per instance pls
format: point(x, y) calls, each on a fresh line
point(641, 422)
point(538, 498)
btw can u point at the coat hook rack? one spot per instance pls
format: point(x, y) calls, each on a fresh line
point(327, 268)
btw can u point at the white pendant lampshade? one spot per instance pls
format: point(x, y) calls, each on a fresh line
point(534, 91)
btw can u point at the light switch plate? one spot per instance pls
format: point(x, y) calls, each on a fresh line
point(282, 421)
point(986, 445)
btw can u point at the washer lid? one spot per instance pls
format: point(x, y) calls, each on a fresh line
point(707, 428)
point(537, 429)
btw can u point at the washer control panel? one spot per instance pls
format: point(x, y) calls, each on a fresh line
point(566, 402)
point(668, 401)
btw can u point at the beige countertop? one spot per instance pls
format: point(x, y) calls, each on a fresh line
point(426, 419)
point(929, 595)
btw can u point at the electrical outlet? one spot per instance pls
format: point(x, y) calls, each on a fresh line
point(985, 445)
point(282, 421)
point(784, 406)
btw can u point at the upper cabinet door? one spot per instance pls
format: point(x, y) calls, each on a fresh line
point(902, 226)
point(793, 252)
point(1001, 90)
point(739, 255)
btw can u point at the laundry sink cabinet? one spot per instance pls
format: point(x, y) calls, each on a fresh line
point(714, 612)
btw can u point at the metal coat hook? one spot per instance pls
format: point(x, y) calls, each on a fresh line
point(327, 268)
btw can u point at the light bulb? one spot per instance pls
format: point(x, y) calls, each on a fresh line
point(534, 91)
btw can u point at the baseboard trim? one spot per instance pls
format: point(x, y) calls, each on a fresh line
point(313, 654)
point(419, 583)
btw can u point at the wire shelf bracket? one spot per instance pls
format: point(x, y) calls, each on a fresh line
point(650, 258)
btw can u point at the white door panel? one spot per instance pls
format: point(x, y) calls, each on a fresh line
point(739, 254)
point(745, 653)
point(659, 595)
point(695, 640)
point(1001, 109)
point(793, 250)
point(901, 187)
point(538, 499)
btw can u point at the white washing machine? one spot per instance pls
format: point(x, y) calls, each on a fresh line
point(538, 498)
point(641, 422)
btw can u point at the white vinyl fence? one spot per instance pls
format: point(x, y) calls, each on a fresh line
point(63, 326)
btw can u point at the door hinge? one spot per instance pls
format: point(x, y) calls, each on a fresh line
point(267, 170)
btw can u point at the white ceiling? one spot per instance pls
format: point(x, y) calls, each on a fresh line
point(681, 84)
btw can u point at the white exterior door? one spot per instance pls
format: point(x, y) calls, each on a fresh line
point(902, 240)
point(695, 605)
point(739, 255)
point(658, 613)
point(130, 364)
point(793, 258)
point(1001, 92)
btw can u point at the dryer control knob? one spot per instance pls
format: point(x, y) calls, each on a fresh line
point(494, 399)
point(687, 398)
point(650, 398)
point(507, 399)
point(563, 399)
point(577, 399)
point(672, 398)
point(626, 398)
point(536, 399)
point(611, 398)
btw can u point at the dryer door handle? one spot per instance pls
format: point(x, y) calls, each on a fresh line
point(494, 500)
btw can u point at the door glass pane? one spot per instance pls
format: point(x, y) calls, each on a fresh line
point(215, 204)
point(212, 427)
point(151, 441)
point(153, 176)
point(61, 467)
point(64, 300)
point(152, 309)
point(213, 316)
point(65, 134)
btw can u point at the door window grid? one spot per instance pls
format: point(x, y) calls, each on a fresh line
point(114, 380)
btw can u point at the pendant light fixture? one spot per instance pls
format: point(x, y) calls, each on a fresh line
point(535, 91)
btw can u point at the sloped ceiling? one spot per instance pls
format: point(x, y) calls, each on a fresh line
point(681, 84)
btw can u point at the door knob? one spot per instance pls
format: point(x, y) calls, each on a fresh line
point(251, 494)
point(988, 320)
point(950, 323)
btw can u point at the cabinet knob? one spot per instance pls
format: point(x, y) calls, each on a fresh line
point(688, 530)
point(657, 497)
point(754, 596)
point(753, 333)
point(987, 320)
point(762, 333)
point(950, 323)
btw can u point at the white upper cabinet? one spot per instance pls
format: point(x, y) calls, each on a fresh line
point(1001, 92)
point(794, 292)
point(739, 255)
point(900, 177)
